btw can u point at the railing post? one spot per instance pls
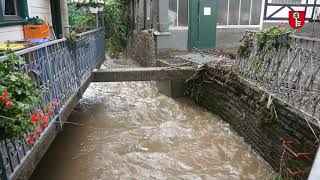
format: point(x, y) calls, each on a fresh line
point(3, 173)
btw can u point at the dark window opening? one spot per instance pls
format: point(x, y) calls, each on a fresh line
point(9, 7)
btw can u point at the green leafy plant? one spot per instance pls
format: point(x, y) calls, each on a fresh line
point(78, 18)
point(85, 20)
point(35, 21)
point(19, 94)
point(77, 29)
point(117, 26)
point(72, 37)
point(116, 22)
point(269, 38)
point(246, 43)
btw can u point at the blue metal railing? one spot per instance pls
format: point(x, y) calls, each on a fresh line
point(61, 67)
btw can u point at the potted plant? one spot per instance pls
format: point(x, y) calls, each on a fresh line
point(36, 28)
point(93, 10)
point(94, 7)
point(101, 7)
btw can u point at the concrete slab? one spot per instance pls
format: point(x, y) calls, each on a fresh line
point(143, 74)
point(201, 58)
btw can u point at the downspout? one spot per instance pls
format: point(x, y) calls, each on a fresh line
point(145, 14)
point(263, 9)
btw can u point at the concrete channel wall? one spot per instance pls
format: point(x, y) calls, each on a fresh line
point(143, 49)
point(244, 107)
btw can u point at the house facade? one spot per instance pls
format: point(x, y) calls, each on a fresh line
point(14, 12)
point(208, 24)
point(276, 11)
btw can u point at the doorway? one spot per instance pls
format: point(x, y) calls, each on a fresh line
point(202, 24)
point(56, 17)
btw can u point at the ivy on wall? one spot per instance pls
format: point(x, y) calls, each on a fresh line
point(117, 26)
point(116, 23)
point(80, 16)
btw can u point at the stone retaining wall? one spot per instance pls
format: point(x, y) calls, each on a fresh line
point(244, 107)
point(143, 49)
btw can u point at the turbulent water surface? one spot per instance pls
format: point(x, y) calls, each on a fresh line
point(130, 131)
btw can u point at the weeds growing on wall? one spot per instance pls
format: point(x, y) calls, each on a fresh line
point(246, 44)
point(257, 45)
point(117, 25)
point(269, 38)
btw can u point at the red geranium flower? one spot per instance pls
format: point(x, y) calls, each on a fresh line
point(39, 131)
point(4, 99)
point(8, 105)
point(40, 113)
point(35, 118)
point(30, 141)
point(49, 113)
point(54, 103)
point(5, 94)
point(45, 120)
point(31, 138)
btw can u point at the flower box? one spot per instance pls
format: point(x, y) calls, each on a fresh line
point(93, 10)
point(36, 31)
point(101, 9)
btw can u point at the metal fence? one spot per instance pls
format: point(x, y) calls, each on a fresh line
point(61, 67)
point(290, 72)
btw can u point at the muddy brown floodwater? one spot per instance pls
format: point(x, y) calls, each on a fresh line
point(130, 131)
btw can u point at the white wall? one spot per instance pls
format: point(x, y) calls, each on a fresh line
point(11, 33)
point(284, 12)
point(40, 8)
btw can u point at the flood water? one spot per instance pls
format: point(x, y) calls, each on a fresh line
point(130, 131)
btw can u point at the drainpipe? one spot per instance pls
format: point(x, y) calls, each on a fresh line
point(315, 171)
point(97, 21)
point(263, 9)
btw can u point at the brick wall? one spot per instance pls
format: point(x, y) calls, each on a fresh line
point(244, 107)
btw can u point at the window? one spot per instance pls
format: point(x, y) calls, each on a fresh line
point(13, 11)
point(238, 12)
point(178, 13)
point(9, 7)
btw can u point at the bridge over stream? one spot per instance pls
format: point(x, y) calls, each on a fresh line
point(68, 68)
